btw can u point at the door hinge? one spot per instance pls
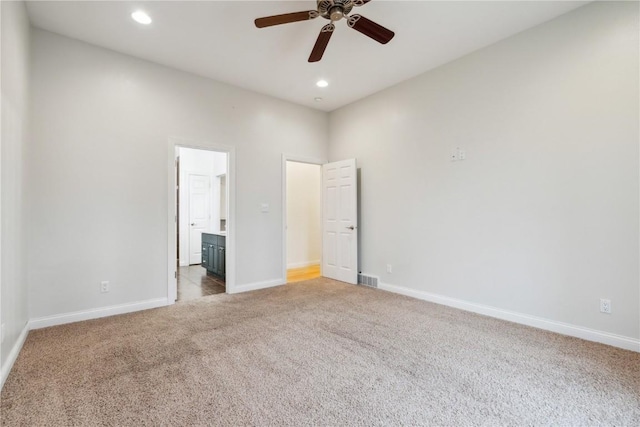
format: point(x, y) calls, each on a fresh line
point(175, 274)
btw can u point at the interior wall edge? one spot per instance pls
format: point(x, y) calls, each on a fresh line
point(16, 67)
point(7, 364)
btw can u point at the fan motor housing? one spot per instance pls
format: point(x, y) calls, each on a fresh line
point(334, 10)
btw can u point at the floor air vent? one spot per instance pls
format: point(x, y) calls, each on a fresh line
point(365, 280)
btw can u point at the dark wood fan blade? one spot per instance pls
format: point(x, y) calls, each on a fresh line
point(370, 29)
point(286, 18)
point(359, 3)
point(321, 43)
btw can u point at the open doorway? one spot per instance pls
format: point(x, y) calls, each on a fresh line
point(201, 218)
point(303, 220)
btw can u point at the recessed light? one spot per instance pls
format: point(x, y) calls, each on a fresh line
point(322, 83)
point(141, 17)
point(318, 99)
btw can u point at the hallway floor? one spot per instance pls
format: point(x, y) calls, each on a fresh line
point(194, 282)
point(304, 273)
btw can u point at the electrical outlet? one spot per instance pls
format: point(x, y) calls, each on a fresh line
point(454, 155)
point(605, 305)
point(389, 268)
point(104, 286)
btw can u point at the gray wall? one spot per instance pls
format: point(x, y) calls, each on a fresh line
point(542, 216)
point(97, 193)
point(15, 97)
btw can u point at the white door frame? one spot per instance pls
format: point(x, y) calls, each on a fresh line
point(293, 158)
point(230, 252)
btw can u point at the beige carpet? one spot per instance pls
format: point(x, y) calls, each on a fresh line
point(316, 353)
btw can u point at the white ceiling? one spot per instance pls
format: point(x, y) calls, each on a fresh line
point(218, 39)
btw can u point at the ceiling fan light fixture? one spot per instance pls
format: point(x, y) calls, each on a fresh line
point(141, 17)
point(322, 83)
point(336, 13)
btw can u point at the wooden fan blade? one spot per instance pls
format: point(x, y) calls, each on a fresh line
point(286, 18)
point(321, 43)
point(359, 3)
point(370, 29)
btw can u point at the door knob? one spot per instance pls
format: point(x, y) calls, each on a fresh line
point(193, 223)
point(351, 227)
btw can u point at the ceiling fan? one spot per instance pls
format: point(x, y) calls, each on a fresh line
point(333, 10)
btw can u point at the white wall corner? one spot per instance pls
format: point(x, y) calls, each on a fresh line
point(13, 355)
point(627, 343)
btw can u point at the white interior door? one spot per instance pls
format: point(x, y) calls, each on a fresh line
point(339, 221)
point(199, 214)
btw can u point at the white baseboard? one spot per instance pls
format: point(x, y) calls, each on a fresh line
point(303, 264)
point(77, 316)
point(257, 285)
point(13, 355)
point(620, 341)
